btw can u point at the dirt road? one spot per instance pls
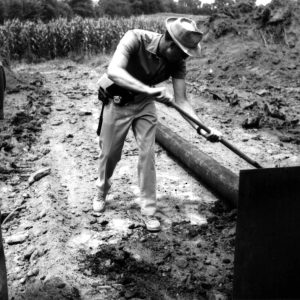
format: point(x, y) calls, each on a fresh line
point(57, 248)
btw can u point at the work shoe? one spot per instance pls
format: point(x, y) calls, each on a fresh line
point(152, 224)
point(99, 202)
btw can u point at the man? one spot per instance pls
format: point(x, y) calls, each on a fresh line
point(143, 59)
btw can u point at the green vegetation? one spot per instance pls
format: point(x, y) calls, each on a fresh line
point(59, 38)
point(48, 29)
point(46, 10)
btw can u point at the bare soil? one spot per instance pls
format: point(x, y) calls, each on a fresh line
point(57, 248)
point(68, 252)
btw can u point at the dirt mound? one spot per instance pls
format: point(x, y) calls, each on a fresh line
point(250, 61)
point(279, 21)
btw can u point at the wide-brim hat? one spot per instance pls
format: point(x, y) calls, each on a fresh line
point(185, 34)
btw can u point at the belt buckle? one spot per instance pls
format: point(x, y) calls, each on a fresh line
point(117, 100)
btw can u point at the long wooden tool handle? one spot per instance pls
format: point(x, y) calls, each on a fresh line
point(221, 140)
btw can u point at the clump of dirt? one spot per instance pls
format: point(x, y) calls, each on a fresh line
point(53, 288)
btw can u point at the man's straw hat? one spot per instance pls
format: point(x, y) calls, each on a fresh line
point(185, 34)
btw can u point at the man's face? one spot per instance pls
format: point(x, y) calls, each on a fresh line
point(170, 51)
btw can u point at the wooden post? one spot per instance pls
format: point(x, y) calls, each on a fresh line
point(3, 276)
point(2, 89)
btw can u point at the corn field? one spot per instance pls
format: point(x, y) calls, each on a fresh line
point(62, 37)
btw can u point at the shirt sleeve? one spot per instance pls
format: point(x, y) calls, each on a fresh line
point(128, 44)
point(178, 70)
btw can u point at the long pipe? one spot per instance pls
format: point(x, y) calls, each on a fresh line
point(221, 140)
point(221, 180)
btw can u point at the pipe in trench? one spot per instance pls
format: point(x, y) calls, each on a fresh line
point(218, 178)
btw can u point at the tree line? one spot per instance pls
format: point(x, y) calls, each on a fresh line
point(46, 10)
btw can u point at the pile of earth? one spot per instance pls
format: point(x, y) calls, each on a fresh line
point(250, 62)
point(278, 21)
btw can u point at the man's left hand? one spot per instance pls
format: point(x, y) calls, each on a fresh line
point(213, 136)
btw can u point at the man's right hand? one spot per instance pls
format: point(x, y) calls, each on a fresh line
point(161, 94)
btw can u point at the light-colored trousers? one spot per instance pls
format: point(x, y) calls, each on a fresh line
point(117, 120)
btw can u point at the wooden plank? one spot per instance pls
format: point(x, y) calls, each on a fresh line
point(267, 249)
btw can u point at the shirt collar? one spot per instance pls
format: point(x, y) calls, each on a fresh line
point(152, 47)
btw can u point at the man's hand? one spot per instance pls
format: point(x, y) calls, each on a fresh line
point(161, 94)
point(213, 136)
